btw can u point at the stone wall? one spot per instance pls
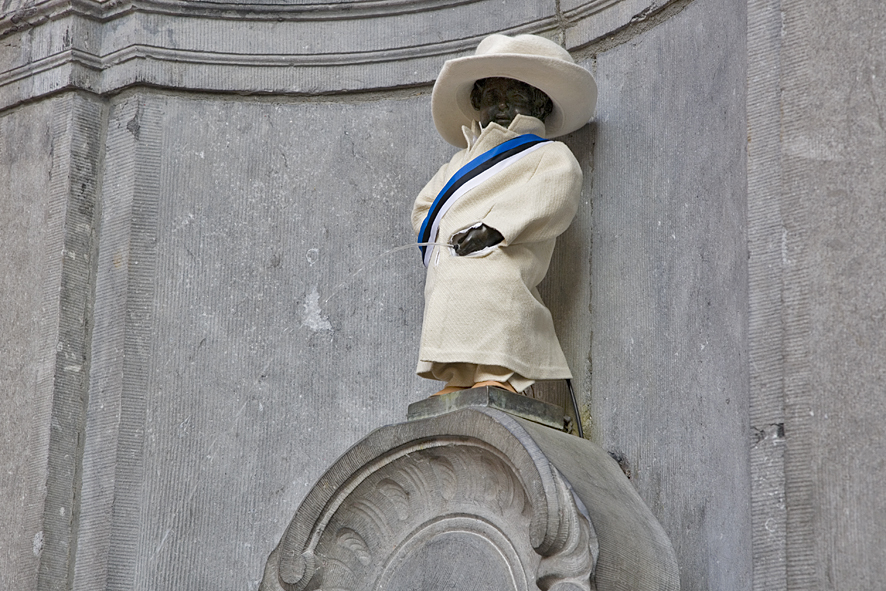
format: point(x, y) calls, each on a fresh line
point(206, 300)
point(32, 233)
point(668, 302)
point(817, 141)
point(49, 167)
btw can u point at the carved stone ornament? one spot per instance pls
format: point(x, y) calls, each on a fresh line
point(470, 501)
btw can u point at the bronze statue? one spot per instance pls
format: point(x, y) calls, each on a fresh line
point(490, 217)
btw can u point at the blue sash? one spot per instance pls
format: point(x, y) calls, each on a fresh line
point(469, 176)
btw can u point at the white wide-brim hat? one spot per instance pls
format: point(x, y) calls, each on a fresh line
point(528, 58)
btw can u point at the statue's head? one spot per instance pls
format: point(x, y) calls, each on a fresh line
point(502, 99)
point(534, 75)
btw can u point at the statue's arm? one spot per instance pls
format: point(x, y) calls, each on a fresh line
point(543, 207)
point(474, 239)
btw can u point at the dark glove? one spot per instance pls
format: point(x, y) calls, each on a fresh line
point(474, 239)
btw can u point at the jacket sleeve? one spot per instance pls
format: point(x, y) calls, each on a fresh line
point(426, 198)
point(542, 207)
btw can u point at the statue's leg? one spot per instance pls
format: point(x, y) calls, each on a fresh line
point(503, 385)
point(461, 376)
point(449, 389)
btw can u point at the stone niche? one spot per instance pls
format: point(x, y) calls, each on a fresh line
point(473, 498)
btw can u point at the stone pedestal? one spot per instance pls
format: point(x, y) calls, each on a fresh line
point(476, 498)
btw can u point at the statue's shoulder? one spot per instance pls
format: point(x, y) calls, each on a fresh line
point(558, 153)
point(556, 147)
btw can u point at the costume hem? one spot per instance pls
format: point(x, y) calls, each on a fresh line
point(530, 372)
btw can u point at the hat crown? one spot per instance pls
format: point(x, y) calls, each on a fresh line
point(528, 45)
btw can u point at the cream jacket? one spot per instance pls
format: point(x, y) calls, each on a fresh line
point(484, 308)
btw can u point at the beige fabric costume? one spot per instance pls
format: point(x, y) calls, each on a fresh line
point(484, 308)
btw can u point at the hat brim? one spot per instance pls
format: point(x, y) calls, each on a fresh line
point(571, 88)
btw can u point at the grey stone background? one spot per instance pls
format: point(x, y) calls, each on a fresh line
point(204, 304)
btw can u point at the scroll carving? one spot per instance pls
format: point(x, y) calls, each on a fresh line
point(440, 501)
point(469, 500)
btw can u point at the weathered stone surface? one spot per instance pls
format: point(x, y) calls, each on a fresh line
point(232, 323)
point(765, 321)
point(466, 484)
point(635, 552)
point(49, 171)
point(267, 47)
point(669, 388)
point(31, 230)
point(832, 304)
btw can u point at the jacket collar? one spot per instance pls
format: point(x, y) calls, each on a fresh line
point(480, 140)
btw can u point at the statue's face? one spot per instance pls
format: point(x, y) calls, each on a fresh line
point(502, 99)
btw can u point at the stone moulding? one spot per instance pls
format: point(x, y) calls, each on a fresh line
point(471, 500)
point(268, 48)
